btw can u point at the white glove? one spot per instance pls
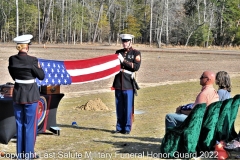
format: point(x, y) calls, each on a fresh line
point(120, 57)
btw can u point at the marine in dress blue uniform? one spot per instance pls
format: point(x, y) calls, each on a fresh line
point(124, 85)
point(24, 69)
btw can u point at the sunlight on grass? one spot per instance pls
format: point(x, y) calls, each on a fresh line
point(94, 130)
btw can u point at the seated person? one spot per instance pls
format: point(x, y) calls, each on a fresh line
point(207, 95)
point(224, 88)
point(224, 85)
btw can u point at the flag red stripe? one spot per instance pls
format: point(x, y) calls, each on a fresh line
point(86, 63)
point(95, 76)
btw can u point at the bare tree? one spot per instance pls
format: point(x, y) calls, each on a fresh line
point(110, 4)
point(62, 22)
point(119, 25)
point(81, 23)
point(4, 19)
point(98, 19)
point(167, 28)
point(191, 31)
point(39, 23)
point(46, 20)
point(210, 23)
point(150, 29)
point(160, 26)
point(17, 19)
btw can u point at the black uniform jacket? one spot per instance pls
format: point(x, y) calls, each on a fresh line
point(25, 67)
point(132, 62)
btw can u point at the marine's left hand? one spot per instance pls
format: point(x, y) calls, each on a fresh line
point(39, 65)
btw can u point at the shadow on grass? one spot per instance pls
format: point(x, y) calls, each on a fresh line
point(146, 147)
point(147, 139)
point(84, 128)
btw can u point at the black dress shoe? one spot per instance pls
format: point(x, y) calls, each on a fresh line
point(36, 157)
point(117, 132)
point(127, 132)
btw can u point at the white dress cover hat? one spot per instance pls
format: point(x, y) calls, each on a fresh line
point(23, 39)
point(126, 36)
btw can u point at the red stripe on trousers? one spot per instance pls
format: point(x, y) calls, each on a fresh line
point(47, 112)
point(36, 125)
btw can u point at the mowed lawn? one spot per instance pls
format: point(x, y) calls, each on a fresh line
point(93, 138)
point(94, 134)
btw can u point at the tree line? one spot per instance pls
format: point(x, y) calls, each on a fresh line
point(154, 22)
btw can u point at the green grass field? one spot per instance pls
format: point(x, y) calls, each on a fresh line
point(94, 136)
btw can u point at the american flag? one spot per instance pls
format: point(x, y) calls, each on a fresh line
point(78, 71)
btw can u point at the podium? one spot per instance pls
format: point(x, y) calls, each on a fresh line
point(47, 112)
point(7, 120)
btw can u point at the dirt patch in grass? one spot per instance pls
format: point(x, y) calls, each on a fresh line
point(93, 105)
point(168, 77)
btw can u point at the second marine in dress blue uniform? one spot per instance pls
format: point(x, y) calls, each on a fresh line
point(24, 69)
point(124, 84)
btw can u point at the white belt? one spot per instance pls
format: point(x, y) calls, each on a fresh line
point(25, 81)
point(126, 71)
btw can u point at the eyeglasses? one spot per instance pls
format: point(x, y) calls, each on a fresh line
point(203, 77)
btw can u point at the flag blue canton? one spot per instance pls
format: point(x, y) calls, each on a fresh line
point(55, 73)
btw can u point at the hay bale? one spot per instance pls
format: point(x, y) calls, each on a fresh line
point(94, 105)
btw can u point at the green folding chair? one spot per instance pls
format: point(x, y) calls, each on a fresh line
point(184, 138)
point(207, 139)
point(223, 125)
point(234, 111)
